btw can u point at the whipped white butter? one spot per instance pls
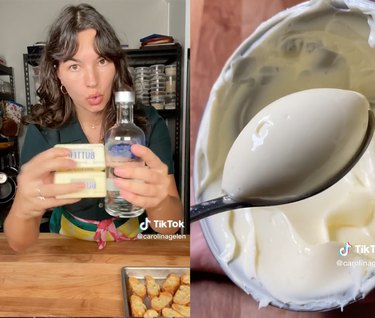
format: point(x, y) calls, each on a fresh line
point(295, 145)
point(288, 255)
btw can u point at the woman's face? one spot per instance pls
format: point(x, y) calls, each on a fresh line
point(87, 76)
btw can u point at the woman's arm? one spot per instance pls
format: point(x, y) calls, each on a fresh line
point(35, 194)
point(21, 232)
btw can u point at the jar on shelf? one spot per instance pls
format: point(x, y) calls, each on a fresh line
point(142, 70)
point(142, 85)
point(170, 84)
point(170, 101)
point(170, 70)
point(158, 102)
point(157, 69)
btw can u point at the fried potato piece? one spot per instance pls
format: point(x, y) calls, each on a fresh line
point(171, 284)
point(153, 288)
point(137, 287)
point(185, 279)
point(161, 301)
point(182, 296)
point(169, 312)
point(138, 308)
point(151, 313)
point(183, 310)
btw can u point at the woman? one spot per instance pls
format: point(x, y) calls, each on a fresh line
point(81, 68)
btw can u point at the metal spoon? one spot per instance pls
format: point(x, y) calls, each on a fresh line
point(226, 203)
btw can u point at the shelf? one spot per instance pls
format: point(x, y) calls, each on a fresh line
point(5, 70)
point(167, 113)
point(6, 96)
point(146, 56)
point(32, 59)
point(154, 50)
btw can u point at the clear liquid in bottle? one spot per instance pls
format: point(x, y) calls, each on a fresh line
point(118, 141)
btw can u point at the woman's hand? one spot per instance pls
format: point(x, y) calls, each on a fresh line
point(36, 191)
point(201, 258)
point(145, 185)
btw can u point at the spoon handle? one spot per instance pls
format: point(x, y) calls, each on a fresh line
point(214, 206)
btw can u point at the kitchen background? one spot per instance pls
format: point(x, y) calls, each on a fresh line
point(23, 23)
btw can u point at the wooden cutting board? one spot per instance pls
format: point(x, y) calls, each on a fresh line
point(68, 277)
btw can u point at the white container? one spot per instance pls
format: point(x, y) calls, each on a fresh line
point(156, 90)
point(142, 78)
point(142, 70)
point(170, 101)
point(160, 77)
point(170, 70)
point(155, 86)
point(170, 84)
point(158, 102)
point(157, 68)
point(319, 43)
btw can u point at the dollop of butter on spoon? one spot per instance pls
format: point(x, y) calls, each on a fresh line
point(295, 144)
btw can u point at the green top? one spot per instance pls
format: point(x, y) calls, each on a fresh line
point(39, 139)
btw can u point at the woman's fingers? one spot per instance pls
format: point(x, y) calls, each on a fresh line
point(140, 173)
point(53, 190)
point(201, 258)
point(138, 200)
point(141, 188)
point(48, 161)
point(35, 181)
point(50, 154)
point(43, 203)
point(144, 183)
point(151, 160)
point(39, 170)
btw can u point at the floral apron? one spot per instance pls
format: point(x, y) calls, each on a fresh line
point(112, 229)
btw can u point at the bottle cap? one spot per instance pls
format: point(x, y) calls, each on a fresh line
point(124, 96)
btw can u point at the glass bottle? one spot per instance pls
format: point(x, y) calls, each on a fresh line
point(117, 141)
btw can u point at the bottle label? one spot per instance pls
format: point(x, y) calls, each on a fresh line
point(121, 150)
point(82, 154)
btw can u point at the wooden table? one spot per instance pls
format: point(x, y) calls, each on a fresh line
point(67, 277)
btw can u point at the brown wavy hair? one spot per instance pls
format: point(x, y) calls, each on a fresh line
point(55, 108)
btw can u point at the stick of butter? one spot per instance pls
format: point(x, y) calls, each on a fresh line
point(87, 156)
point(94, 183)
point(90, 170)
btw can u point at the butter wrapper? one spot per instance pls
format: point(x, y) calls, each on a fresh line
point(94, 183)
point(87, 156)
point(90, 170)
